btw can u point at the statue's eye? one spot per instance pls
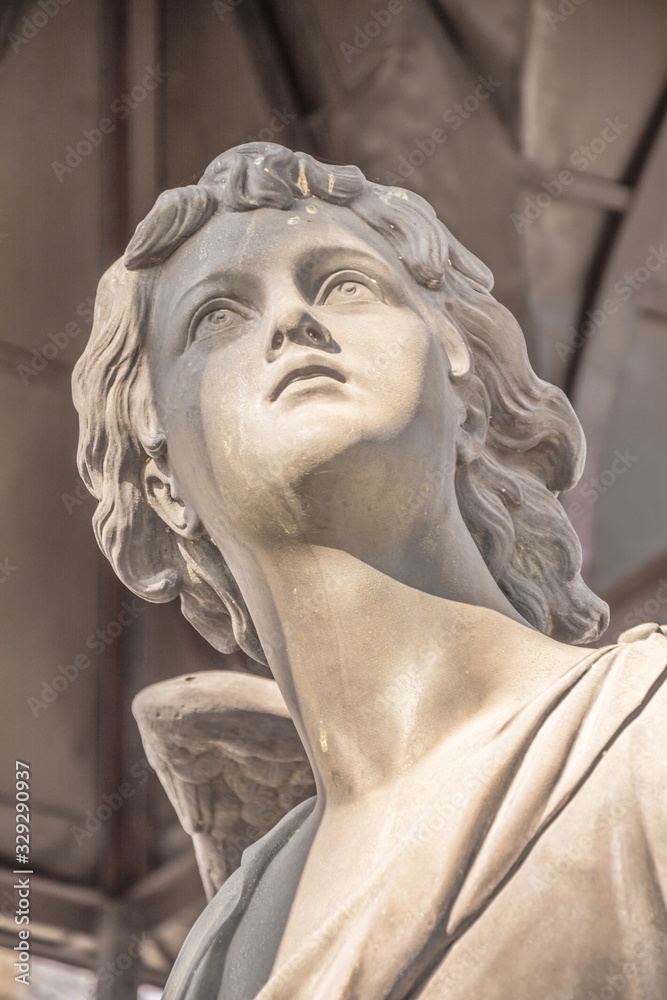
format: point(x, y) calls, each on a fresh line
point(348, 287)
point(219, 319)
point(223, 319)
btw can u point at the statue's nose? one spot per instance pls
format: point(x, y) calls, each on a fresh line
point(302, 329)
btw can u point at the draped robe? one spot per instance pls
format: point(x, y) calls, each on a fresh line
point(544, 876)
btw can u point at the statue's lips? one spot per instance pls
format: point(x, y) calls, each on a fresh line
point(307, 372)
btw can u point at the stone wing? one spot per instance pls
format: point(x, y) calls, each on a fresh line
point(229, 757)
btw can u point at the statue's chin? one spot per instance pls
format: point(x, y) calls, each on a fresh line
point(328, 488)
point(291, 490)
point(318, 464)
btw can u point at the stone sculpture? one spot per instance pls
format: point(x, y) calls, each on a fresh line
point(303, 412)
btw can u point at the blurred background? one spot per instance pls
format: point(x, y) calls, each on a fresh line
point(536, 128)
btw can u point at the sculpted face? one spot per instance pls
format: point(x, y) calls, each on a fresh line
point(275, 375)
point(292, 358)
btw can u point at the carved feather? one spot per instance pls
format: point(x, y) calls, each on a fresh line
point(229, 757)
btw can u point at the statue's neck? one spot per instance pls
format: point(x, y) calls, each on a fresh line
point(377, 672)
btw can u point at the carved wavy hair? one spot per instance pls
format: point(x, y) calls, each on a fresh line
point(507, 496)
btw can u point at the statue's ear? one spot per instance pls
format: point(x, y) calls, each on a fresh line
point(456, 349)
point(162, 494)
point(475, 420)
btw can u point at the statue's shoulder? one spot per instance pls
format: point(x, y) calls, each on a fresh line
point(639, 633)
point(644, 743)
point(641, 656)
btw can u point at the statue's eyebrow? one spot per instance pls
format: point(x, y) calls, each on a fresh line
point(317, 264)
point(224, 282)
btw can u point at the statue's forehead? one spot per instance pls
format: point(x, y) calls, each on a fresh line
point(251, 240)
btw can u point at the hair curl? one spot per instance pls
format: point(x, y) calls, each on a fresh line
point(507, 496)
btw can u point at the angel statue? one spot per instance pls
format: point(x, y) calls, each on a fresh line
point(303, 412)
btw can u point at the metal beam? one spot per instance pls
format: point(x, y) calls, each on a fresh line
point(600, 192)
point(132, 37)
point(167, 890)
point(58, 904)
point(119, 968)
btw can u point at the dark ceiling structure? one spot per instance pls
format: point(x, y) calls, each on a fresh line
point(536, 128)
